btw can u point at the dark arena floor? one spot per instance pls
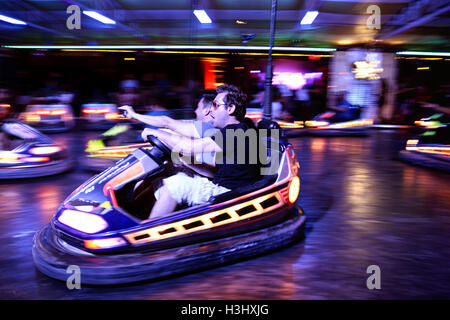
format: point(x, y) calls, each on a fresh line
point(363, 208)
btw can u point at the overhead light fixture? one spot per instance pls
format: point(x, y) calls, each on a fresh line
point(423, 53)
point(309, 17)
point(240, 22)
point(12, 20)
point(99, 17)
point(167, 47)
point(202, 16)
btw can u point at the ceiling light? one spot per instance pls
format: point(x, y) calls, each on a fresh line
point(99, 17)
point(309, 17)
point(166, 47)
point(202, 16)
point(240, 22)
point(12, 20)
point(423, 53)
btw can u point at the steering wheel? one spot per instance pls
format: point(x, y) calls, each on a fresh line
point(166, 152)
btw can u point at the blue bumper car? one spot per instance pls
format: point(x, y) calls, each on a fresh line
point(102, 226)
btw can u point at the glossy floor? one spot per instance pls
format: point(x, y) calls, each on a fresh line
point(363, 206)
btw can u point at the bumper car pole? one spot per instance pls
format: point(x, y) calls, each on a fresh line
point(267, 112)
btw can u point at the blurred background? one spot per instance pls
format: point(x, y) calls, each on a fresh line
point(119, 61)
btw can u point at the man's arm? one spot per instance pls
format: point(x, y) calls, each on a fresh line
point(185, 145)
point(203, 169)
point(185, 128)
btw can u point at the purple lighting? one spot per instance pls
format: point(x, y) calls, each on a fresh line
point(293, 80)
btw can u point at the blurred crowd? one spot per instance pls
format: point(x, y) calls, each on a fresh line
point(156, 92)
point(288, 104)
point(415, 102)
point(151, 92)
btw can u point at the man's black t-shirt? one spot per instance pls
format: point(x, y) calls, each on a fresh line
point(238, 165)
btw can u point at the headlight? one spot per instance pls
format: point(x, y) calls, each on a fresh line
point(314, 123)
point(294, 189)
point(412, 142)
point(83, 221)
point(45, 150)
point(31, 117)
point(104, 243)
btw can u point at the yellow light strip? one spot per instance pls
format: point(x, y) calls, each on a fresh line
point(206, 220)
point(97, 50)
point(314, 123)
point(357, 123)
point(244, 53)
point(135, 146)
point(284, 54)
point(437, 150)
point(188, 52)
point(118, 151)
point(293, 125)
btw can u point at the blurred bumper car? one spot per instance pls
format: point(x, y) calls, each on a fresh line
point(437, 120)
point(290, 128)
point(100, 116)
point(5, 110)
point(27, 153)
point(49, 117)
point(431, 149)
point(345, 123)
point(113, 145)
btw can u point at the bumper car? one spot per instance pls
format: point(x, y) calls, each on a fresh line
point(49, 117)
point(430, 149)
point(100, 116)
point(27, 153)
point(290, 128)
point(435, 121)
point(5, 109)
point(117, 142)
point(99, 227)
point(347, 123)
point(114, 144)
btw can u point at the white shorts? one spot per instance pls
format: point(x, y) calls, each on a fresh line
point(191, 190)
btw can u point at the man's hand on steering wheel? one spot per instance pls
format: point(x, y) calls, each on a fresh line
point(148, 132)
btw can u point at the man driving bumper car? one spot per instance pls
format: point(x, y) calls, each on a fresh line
point(232, 167)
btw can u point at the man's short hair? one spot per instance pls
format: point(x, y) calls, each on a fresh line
point(208, 98)
point(234, 97)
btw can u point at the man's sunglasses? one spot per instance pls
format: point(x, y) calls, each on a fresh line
point(217, 105)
